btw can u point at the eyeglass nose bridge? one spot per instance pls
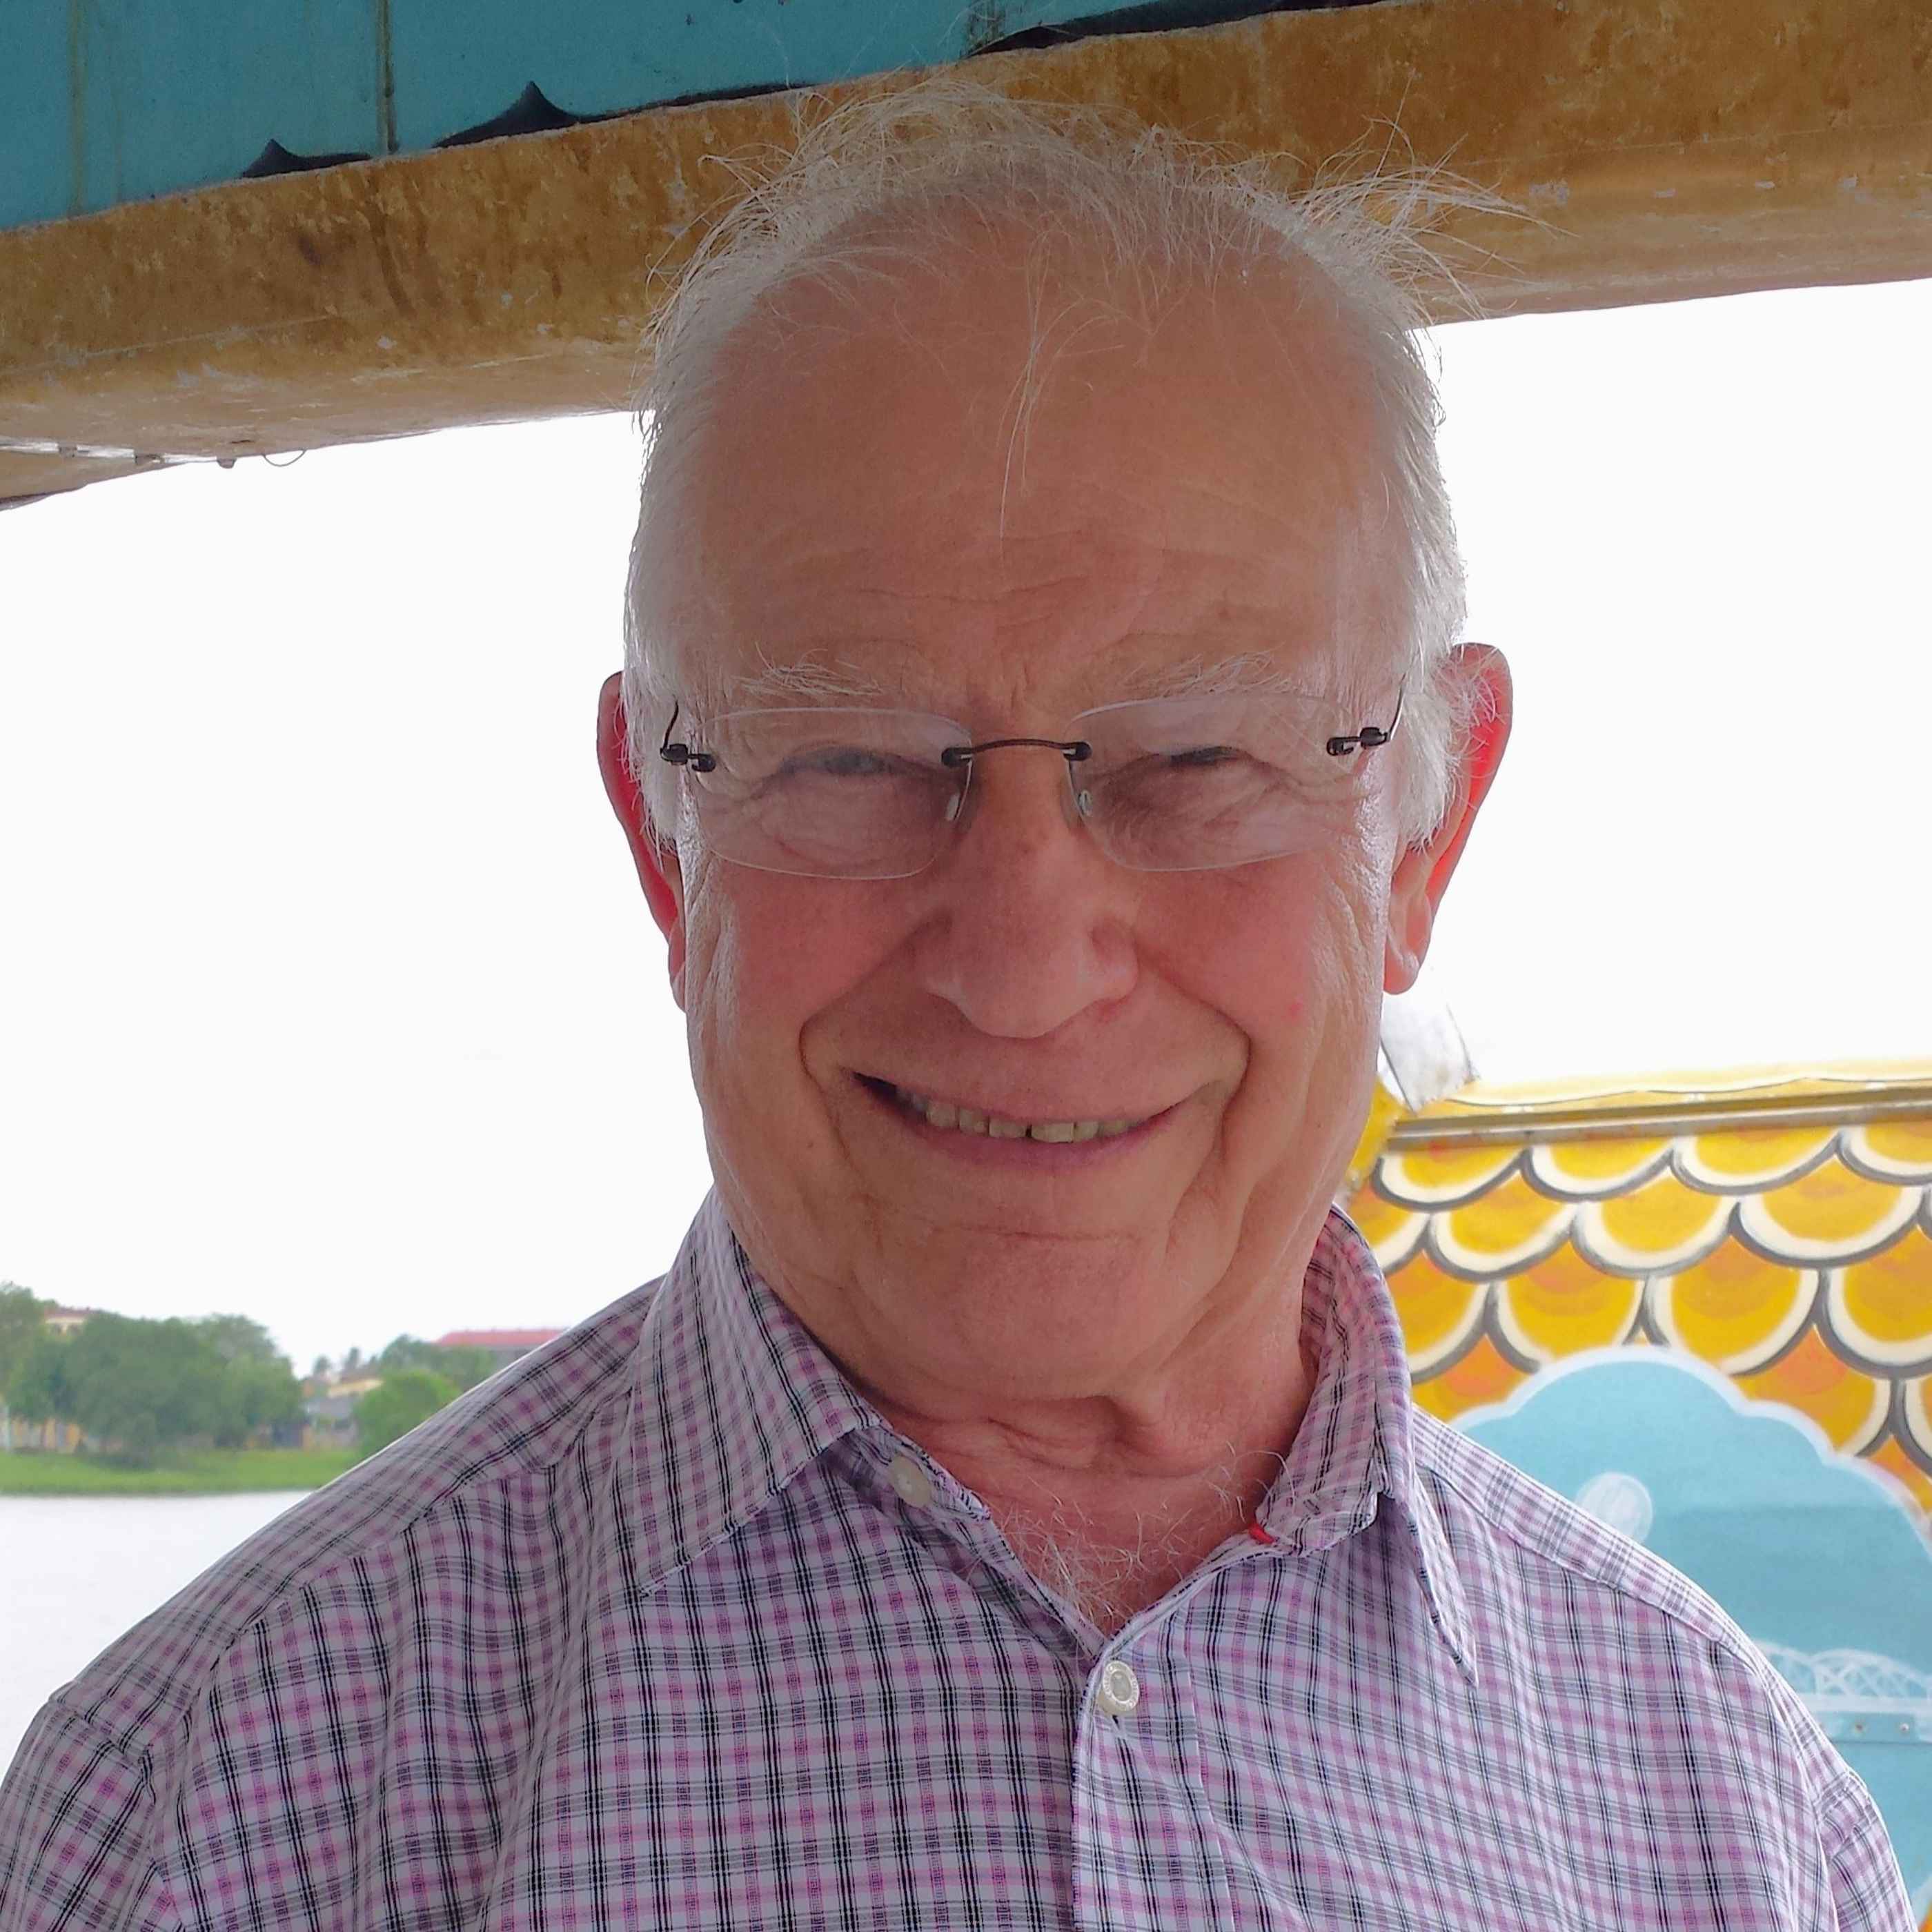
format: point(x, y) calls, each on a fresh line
point(1074, 750)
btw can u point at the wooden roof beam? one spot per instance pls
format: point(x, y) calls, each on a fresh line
point(1666, 150)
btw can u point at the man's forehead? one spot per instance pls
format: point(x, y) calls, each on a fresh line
point(987, 528)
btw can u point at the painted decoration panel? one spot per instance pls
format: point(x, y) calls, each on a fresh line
point(1817, 1555)
point(1721, 1344)
point(1798, 1261)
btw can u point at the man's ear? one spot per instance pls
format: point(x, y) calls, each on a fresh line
point(658, 869)
point(1422, 876)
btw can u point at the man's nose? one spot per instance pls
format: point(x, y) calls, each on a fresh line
point(1030, 922)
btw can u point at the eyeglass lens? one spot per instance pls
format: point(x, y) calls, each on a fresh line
point(1170, 785)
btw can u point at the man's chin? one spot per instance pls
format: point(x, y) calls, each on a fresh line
point(999, 1313)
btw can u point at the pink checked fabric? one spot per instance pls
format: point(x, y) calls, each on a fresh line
point(665, 1628)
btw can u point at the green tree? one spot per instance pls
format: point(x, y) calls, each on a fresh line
point(259, 1389)
point(465, 1367)
point(142, 1387)
point(36, 1387)
point(20, 1319)
point(236, 1339)
point(255, 1396)
point(404, 1401)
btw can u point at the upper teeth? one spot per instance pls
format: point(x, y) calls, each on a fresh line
point(970, 1120)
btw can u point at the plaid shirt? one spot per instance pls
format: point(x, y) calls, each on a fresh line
point(665, 1626)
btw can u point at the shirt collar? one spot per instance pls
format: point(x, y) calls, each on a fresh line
point(735, 1397)
point(1357, 1442)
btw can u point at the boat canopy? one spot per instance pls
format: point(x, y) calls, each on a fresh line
point(228, 228)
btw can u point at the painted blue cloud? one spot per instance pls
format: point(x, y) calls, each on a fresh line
point(1803, 1546)
point(1811, 1551)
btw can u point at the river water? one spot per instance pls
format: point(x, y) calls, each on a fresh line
point(75, 1571)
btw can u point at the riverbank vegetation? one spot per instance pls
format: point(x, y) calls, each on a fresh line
point(195, 1473)
point(144, 1406)
point(147, 1388)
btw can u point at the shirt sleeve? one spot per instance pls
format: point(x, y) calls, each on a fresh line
point(1868, 1889)
point(76, 1830)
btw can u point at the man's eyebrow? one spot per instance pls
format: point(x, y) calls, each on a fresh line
point(1251, 673)
point(813, 680)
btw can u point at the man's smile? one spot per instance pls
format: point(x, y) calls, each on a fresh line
point(974, 1134)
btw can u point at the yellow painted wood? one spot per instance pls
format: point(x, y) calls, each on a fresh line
point(1734, 1308)
point(1663, 1227)
point(1437, 1311)
point(1849, 1406)
point(1883, 1307)
point(1665, 149)
point(1510, 1228)
point(1565, 1305)
point(1829, 1214)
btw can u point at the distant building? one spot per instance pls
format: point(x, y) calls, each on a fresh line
point(328, 1415)
point(504, 1345)
point(62, 1437)
point(65, 1321)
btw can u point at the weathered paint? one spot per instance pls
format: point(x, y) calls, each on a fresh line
point(106, 101)
point(516, 278)
point(110, 100)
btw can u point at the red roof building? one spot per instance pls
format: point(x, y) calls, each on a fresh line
point(520, 1341)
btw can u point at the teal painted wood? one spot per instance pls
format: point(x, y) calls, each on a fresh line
point(37, 123)
point(103, 101)
point(590, 57)
point(119, 99)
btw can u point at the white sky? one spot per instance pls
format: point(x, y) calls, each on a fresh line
point(326, 992)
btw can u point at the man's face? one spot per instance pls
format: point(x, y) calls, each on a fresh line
point(1008, 500)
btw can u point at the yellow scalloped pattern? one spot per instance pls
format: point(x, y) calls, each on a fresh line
point(1664, 1224)
point(1751, 1157)
point(1893, 1149)
point(1734, 1308)
point(1509, 1227)
point(1797, 1261)
point(1566, 1303)
point(1429, 1177)
point(1577, 1169)
point(1882, 1308)
point(1850, 1407)
point(1441, 1313)
point(1829, 1214)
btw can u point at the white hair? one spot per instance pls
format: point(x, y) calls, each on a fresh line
point(875, 186)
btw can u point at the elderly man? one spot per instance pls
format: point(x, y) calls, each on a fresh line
point(1041, 746)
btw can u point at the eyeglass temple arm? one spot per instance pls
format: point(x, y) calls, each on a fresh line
point(1369, 735)
point(682, 753)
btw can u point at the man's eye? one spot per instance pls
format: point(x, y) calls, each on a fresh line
point(843, 761)
point(1204, 754)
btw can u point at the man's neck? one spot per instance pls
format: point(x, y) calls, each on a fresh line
point(1113, 1516)
point(1112, 1572)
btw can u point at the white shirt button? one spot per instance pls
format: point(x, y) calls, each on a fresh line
point(913, 1485)
point(1119, 1689)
